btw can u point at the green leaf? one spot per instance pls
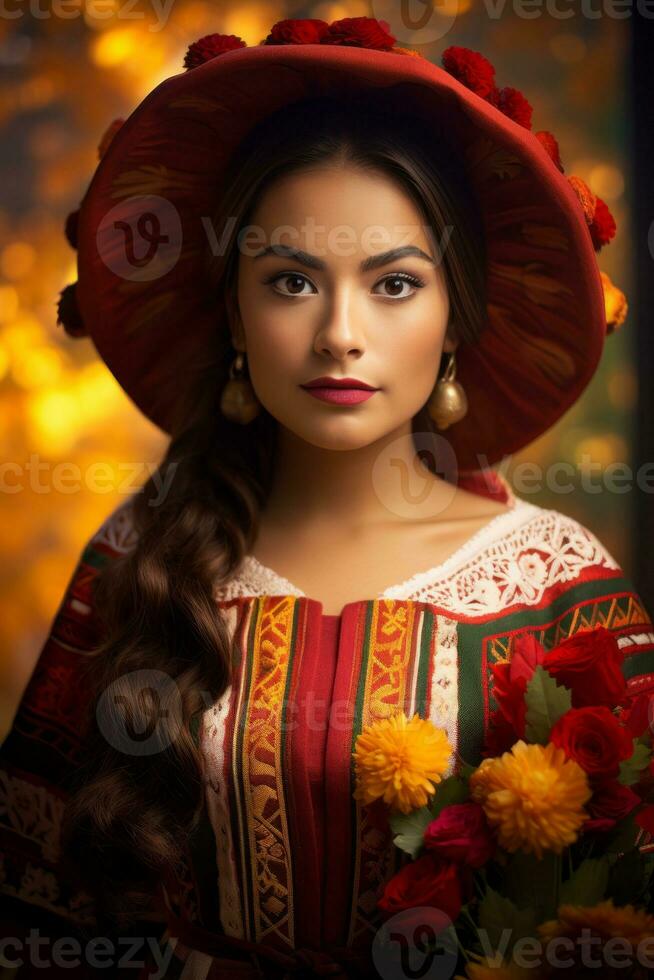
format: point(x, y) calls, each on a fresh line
point(546, 701)
point(410, 829)
point(587, 886)
point(454, 789)
point(503, 922)
point(632, 767)
point(528, 878)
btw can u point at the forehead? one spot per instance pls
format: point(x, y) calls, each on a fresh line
point(334, 205)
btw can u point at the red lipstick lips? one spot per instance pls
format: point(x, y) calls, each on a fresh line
point(339, 391)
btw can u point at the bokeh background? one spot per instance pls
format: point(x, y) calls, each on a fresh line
point(67, 72)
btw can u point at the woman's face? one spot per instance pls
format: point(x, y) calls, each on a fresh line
point(345, 309)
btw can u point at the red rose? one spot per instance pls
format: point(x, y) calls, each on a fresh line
point(590, 665)
point(460, 833)
point(594, 738)
point(425, 881)
point(470, 68)
point(500, 737)
point(210, 46)
point(510, 681)
point(363, 32)
point(610, 802)
point(305, 31)
point(635, 714)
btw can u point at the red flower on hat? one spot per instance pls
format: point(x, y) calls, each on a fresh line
point(363, 32)
point(513, 104)
point(601, 222)
point(602, 227)
point(470, 68)
point(549, 143)
point(68, 314)
point(210, 46)
point(304, 31)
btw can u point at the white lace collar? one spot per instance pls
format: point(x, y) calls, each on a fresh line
point(254, 578)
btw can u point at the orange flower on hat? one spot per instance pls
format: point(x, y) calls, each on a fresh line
point(533, 796)
point(470, 68)
point(615, 303)
point(210, 46)
point(400, 761)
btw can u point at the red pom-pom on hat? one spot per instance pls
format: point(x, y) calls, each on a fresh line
point(470, 68)
point(602, 227)
point(550, 144)
point(513, 104)
point(210, 46)
point(305, 31)
point(68, 314)
point(363, 32)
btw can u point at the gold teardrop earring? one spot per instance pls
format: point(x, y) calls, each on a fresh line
point(448, 402)
point(238, 401)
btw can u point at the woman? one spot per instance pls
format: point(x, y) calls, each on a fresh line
point(329, 207)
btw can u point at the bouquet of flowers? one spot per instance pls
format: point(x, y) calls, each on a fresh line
point(536, 850)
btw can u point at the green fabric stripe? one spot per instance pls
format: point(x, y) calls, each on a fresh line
point(640, 663)
point(424, 651)
point(91, 556)
point(473, 635)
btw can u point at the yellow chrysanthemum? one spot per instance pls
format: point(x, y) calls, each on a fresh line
point(484, 970)
point(400, 761)
point(533, 796)
point(606, 920)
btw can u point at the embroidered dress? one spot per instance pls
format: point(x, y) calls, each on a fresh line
point(285, 858)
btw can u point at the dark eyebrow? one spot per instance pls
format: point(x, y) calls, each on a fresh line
point(372, 262)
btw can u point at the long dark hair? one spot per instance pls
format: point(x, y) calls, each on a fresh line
point(130, 814)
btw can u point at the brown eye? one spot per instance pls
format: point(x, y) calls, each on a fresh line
point(394, 285)
point(294, 283)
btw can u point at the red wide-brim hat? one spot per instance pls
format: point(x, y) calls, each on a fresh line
point(142, 291)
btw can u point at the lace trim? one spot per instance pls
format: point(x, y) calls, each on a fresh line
point(513, 559)
point(255, 578)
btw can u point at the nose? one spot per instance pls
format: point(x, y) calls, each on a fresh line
point(341, 330)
